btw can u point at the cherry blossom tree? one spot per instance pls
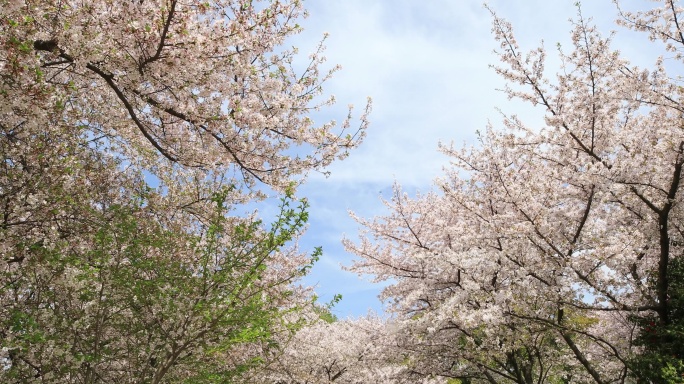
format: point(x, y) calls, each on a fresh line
point(541, 246)
point(131, 132)
point(340, 351)
point(204, 85)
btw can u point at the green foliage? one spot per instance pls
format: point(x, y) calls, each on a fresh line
point(458, 381)
point(662, 359)
point(324, 311)
point(141, 292)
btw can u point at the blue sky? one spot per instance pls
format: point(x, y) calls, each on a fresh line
point(426, 66)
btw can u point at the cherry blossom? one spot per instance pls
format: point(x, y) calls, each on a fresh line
point(538, 245)
point(131, 133)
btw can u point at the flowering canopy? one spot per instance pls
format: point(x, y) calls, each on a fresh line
point(128, 133)
point(200, 84)
point(532, 266)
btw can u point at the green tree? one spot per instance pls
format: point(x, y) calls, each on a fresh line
point(144, 303)
point(662, 356)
